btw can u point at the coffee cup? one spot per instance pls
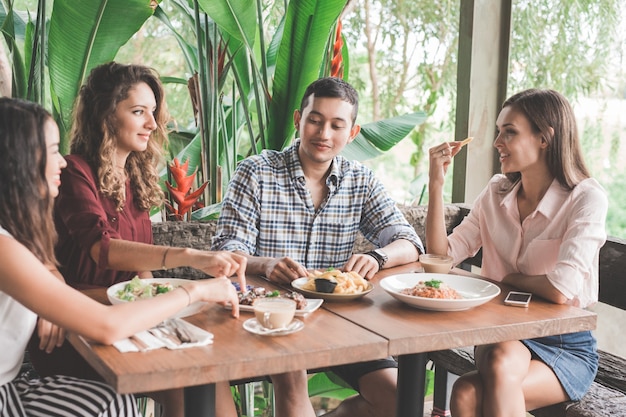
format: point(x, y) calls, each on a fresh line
point(437, 264)
point(274, 313)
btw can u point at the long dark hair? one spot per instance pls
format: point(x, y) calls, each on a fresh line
point(548, 110)
point(25, 200)
point(94, 131)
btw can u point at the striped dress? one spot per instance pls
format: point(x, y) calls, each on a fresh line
point(55, 396)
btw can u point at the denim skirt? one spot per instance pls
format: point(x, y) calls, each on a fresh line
point(573, 357)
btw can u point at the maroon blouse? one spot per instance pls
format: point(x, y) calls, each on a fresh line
point(83, 217)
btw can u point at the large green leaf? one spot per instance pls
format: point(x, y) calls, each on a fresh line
point(380, 136)
point(307, 25)
point(236, 17)
point(328, 385)
point(190, 52)
point(83, 35)
point(13, 28)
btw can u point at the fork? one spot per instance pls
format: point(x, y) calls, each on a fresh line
point(179, 331)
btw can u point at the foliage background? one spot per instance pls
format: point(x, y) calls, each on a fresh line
point(403, 58)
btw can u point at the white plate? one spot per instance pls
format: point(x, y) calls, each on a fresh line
point(175, 282)
point(298, 283)
point(253, 326)
point(312, 305)
point(474, 291)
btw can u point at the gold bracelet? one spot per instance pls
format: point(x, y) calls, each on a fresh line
point(163, 267)
point(188, 295)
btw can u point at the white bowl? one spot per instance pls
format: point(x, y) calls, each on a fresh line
point(474, 291)
point(190, 310)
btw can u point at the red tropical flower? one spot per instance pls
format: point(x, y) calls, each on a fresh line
point(336, 64)
point(181, 194)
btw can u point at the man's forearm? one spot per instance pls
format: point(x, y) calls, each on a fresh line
point(256, 265)
point(400, 252)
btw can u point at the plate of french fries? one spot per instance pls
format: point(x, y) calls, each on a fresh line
point(350, 285)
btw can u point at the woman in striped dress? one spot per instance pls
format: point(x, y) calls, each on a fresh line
point(30, 167)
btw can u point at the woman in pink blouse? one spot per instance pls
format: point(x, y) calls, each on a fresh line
point(102, 211)
point(540, 225)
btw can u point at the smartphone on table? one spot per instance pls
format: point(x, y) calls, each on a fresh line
point(518, 299)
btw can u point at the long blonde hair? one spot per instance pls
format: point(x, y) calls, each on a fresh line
point(94, 128)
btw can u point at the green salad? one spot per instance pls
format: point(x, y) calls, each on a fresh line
point(138, 288)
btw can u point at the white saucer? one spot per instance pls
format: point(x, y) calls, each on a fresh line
point(253, 326)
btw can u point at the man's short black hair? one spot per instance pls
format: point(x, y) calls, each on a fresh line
point(332, 87)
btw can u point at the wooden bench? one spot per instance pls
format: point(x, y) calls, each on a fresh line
point(607, 395)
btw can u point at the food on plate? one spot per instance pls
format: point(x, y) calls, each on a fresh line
point(137, 288)
point(256, 293)
point(301, 302)
point(325, 285)
point(466, 141)
point(347, 282)
point(432, 289)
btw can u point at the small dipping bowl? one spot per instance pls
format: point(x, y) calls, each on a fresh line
point(436, 264)
point(325, 285)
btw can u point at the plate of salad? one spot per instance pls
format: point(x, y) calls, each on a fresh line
point(138, 288)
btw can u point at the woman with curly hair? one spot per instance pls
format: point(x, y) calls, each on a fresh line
point(102, 212)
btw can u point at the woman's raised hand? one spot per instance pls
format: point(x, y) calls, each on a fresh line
point(440, 158)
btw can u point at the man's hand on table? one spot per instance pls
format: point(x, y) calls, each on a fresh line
point(362, 264)
point(284, 270)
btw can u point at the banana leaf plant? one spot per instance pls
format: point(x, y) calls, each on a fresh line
point(78, 36)
point(248, 88)
point(26, 41)
point(83, 35)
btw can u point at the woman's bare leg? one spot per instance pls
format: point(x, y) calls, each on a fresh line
point(224, 403)
point(291, 395)
point(507, 383)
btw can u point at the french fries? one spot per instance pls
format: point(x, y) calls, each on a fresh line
point(347, 282)
point(466, 141)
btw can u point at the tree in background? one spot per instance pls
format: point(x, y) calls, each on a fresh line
point(406, 56)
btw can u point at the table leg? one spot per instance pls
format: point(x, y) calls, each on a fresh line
point(200, 401)
point(411, 384)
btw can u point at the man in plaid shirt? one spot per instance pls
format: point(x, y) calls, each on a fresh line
point(301, 209)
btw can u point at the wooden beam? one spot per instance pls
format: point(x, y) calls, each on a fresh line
point(484, 33)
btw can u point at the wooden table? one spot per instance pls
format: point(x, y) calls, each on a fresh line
point(326, 340)
point(373, 327)
point(412, 333)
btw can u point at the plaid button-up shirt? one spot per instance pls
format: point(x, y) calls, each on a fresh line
point(268, 211)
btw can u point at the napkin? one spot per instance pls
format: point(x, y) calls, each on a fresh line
point(171, 334)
